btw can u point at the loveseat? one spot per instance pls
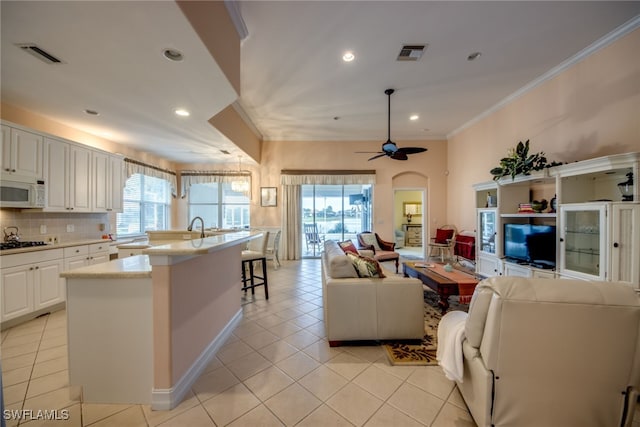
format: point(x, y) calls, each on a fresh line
point(368, 308)
point(541, 352)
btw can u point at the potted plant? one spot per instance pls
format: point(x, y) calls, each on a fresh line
point(520, 162)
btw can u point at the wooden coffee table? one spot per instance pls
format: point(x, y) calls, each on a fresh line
point(444, 286)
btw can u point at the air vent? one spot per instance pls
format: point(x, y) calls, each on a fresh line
point(411, 52)
point(39, 53)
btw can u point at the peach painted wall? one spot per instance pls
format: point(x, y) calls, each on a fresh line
point(590, 110)
point(202, 295)
point(278, 155)
point(229, 122)
point(211, 21)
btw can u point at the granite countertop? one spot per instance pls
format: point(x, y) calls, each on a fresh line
point(133, 267)
point(54, 246)
point(203, 246)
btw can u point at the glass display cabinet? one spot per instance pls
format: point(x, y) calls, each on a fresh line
point(583, 240)
point(487, 230)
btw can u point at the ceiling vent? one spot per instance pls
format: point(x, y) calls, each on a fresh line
point(39, 53)
point(411, 52)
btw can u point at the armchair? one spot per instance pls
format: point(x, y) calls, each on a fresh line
point(444, 241)
point(549, 352)
point(382, 250)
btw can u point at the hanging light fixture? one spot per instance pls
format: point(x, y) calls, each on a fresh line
point(626, 188)
point(240, 186)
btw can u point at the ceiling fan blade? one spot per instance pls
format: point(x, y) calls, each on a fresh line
point(398, 155)
point(369, 152)
point(379, 155)
point(412, 150)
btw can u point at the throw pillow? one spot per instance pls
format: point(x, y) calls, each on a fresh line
point(443, 235)
point(348, 246)
point(365, 266)
point(369, 239)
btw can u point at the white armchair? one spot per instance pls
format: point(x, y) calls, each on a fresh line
point(540, 352)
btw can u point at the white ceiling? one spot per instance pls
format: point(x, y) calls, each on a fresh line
point(293, 81)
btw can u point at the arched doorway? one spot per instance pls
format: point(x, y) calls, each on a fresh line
point(411, 214)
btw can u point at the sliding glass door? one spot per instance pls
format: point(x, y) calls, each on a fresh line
point(333, 212)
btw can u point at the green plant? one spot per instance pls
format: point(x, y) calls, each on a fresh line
point(520, 162)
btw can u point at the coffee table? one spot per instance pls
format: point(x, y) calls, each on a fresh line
point(443, 285)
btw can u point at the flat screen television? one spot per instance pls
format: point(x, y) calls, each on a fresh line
point(530, 244)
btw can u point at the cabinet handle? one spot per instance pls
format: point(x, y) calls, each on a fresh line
point(561, 239)
point(7, 169)
point(37, 268)
point(13, 170)
point(30, 268)
point(615, 245)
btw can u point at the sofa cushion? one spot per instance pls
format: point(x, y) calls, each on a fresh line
point(338, 265)
point(348, 246)
point(365, 266)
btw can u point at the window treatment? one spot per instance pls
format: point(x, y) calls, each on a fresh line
point(133, 167)
point(291, 181)
point(188, 178)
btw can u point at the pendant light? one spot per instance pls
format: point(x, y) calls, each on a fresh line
point(240, 186)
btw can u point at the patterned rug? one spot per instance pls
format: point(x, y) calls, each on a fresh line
point(407, 353)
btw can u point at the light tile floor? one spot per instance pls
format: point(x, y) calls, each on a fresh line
point(277, 369)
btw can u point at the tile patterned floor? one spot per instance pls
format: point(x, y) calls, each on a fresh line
point(277, 369)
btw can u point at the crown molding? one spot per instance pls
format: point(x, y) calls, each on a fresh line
point(614, 35)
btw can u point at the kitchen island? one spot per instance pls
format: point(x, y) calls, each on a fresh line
point(143, 328)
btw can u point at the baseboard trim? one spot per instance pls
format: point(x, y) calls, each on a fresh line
point(164, 399)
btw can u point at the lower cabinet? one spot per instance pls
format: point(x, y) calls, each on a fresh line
point(488, 266)
point(31, 282)
point(511, 269)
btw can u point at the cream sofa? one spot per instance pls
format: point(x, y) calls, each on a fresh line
point(368, 308)
point(540, 352)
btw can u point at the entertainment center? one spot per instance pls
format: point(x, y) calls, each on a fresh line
point(587, 233)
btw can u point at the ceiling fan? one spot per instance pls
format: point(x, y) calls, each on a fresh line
point(390, 148)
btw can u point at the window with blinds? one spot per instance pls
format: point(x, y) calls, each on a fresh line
point(146, 205)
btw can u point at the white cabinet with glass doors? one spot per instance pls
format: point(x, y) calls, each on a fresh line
point(600, 241)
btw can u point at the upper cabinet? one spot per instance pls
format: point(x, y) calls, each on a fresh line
point(108, 182)
point(68, 170)
point(21, 155)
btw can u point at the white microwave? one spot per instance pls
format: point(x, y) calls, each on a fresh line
point(21, 194)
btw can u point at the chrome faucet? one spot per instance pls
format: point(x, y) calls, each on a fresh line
point(190, 228)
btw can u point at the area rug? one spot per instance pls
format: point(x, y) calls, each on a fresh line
point(409, 353)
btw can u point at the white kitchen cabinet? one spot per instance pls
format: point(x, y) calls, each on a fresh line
point(108, 182)
point(21, 155)
point(83, 255)
point(30, 282)
point(68, 177)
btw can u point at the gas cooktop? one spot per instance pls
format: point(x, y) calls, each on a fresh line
point(18, 245)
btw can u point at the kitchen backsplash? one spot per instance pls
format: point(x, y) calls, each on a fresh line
point(44, 226)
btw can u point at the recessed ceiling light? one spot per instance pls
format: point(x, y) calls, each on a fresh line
point(414, 117)
point(473, 56)
point(91, 112)
point(173, 55)
point(182, 112)
point(348, 56)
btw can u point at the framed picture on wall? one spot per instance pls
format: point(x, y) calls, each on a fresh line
point(268, 196)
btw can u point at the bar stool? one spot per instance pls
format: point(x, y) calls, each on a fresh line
point(256, 252)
